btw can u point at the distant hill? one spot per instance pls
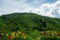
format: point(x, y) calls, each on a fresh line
point(19, 21)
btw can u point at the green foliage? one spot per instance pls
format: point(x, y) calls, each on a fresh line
point(29, 23)
point(29, 20)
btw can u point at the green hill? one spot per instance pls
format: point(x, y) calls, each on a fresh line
point(30, 20)
point(27, 26)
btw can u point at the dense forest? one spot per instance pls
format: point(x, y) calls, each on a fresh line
point(28, 24)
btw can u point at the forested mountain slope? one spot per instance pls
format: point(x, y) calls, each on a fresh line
point(29, 21)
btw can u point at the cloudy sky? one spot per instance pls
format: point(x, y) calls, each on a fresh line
point(49, 8)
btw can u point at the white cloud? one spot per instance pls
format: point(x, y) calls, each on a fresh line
point(51, 10)
point(47, 9)
point(13, 6)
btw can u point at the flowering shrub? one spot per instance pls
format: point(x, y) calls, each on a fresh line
point(31, 35)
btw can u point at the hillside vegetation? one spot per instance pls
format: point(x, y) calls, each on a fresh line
point(28, 23)
point(30, 20)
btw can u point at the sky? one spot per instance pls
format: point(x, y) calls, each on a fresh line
point(50, 8)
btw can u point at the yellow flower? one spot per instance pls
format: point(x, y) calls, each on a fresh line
point(2, 34)
point(25, 37)
point(19, 32)
point(14, 32)
point(23, 34)
point(7, 35)
point(17, 35)
point(53, 34)
point(13, 35)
